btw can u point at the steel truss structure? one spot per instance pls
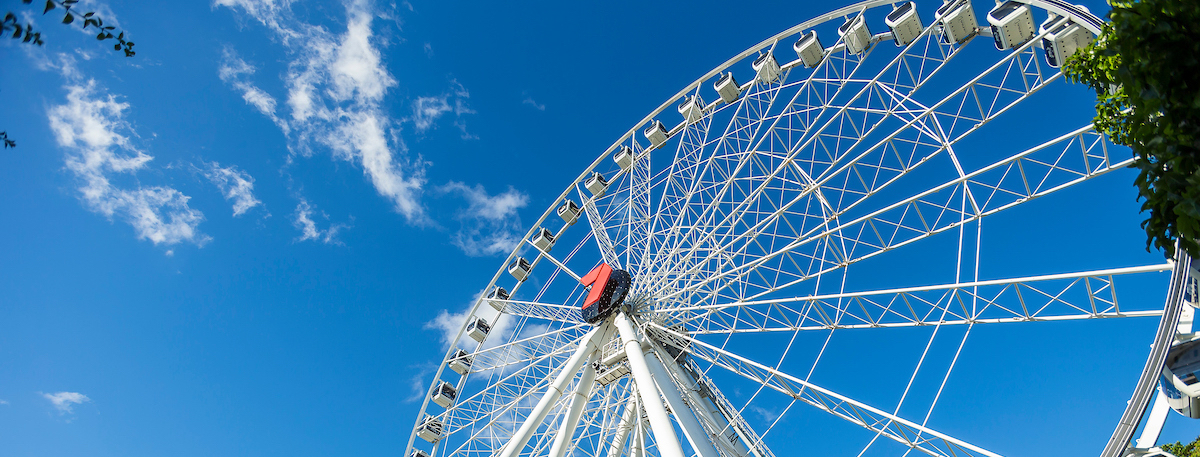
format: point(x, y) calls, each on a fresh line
point(777, 215)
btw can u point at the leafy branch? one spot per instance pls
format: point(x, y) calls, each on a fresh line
point(1143, 68)
point(7, 142)
point(105, 32)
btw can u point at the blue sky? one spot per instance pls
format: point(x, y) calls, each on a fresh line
point(245, 239)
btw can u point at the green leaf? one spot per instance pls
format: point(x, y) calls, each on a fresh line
point(49, 6)
point(100, 36)
point(68, 19)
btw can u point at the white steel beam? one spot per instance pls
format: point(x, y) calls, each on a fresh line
point(583, 391)
point(660, 424)
point(709, 412)
point(692, 430)
point(626, 424)
point(521, 438)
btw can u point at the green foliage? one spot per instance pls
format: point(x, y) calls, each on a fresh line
point(7, 142)
point(27, 35)
point(1178, 449)
point(1145, 69)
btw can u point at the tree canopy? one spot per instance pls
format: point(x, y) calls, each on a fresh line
point(1145, 69)
point(1179, 449)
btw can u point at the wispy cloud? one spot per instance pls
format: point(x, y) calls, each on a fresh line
point(65, 402)
point(419, 382)
point(529, 101)
point(89, 127)
point(308, 227)
point(236, 185)
point(766, 414)
point(427, 110)
point(489, 224)
point(236, 72)
point(3, 402)
point(428, 49)
point(335, 87)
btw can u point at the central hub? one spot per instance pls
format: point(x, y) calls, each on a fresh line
point(609, 288)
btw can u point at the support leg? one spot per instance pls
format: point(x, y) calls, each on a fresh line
point(583, 391)
point(708, 411)
point(1154, 424)
point(521, 438)
point(692, 430)
point(623, 428)
point(660, 424)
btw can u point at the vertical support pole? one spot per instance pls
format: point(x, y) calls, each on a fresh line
point(692, 430)
point(521, 438)
point(1154, 425)
point(639, 431)
point(626, 424)
point(583, 391)
point(708, 411)
point(660, 424)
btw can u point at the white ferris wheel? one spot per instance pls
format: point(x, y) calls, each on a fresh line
point(828, 185)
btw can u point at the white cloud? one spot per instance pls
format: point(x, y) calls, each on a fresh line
point(308, 227)
point(766, 414)
point(529, 101)
point(489, 224)
point(450, 323)
point(428, 49)
point(3, 402)
point(418, 384)
point(426, 111)
point(236, 72)
point(236, 185)
point(88, 127)
point(65, 402)
point(335, 88)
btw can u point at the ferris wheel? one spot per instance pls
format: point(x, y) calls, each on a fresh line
point(719, 267)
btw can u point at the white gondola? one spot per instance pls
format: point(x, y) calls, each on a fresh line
point(855, 35)
point(904, 23)
point(445, 395)
point(1012, 24)
point(766, 68)
point(624, 157)
point(544, 240)
point(1062, 39)
point(519, 268)
point(418, 453)
point(596, 184)
point(430, 430)
point(497, 297)
point(460, 363)
point(958, 22)
point(569, 212)
point(692, 108)
point(809, 49)
point(656, 133)
point(478, 329)
point(1179, 380)
point(727, 87)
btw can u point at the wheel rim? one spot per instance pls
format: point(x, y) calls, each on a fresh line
point(749, 219)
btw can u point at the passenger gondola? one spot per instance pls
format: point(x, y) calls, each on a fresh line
point(855, 35)
point(766, 68)
point(809, 49)
point(1012, 24)
point(904, 23)
point(727, 87)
